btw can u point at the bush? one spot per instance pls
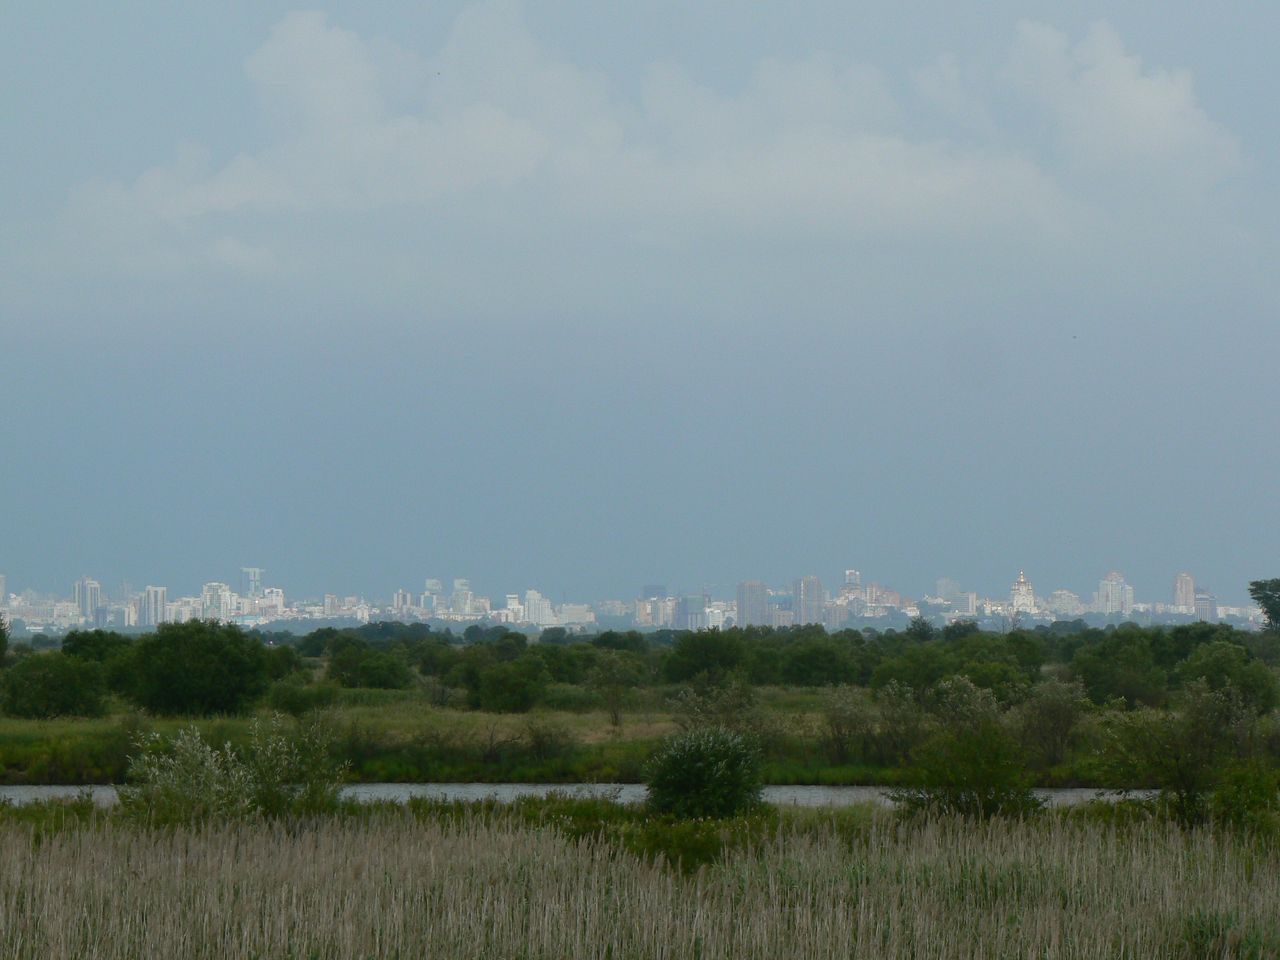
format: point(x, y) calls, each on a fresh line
point(294, 696)
point(711, 772)
point(199, 667)
point(971, 766)
point(53, 685)
point(187, 780)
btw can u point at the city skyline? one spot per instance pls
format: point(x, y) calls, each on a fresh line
point(751, 603)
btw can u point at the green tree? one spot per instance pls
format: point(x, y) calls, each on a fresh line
point(971, 765)
point(1183, 752)
point(710, 772)
point(612, 679)
point(97, 645)
point(53, 685)
point(706, 653)
point(1048, 718)
point(1120, 664)
point(513, 687)
point(4, 639)
point(1224, 664)
point(199, 667)
point(1266, 594)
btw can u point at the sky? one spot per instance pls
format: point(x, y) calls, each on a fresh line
point(584, 296)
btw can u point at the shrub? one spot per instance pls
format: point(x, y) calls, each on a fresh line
point(711, 772)
point(52, 685)
point(294, 696)
point(971, 766)
point(188, 780)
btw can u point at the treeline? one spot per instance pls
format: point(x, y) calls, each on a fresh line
point(209, 668)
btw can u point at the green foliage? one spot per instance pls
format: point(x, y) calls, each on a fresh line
point(4, 639)
point(1223, 664)
point(849, 725)
point(971, 766)
point(1247, 797)
point(514, 687)
point(294, 696)
point(612, 678)
point(1182, 752)
point(196, 668)
point(1266, 594)
point(1048, 717)
point(97, 645)
point(53, 685)
point(185, 779)
point(709, 654)
point(711, 772)
point(1120, 665)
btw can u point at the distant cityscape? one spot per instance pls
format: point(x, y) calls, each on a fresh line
point(806, 600)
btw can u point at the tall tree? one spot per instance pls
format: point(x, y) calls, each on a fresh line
point(1266, 594)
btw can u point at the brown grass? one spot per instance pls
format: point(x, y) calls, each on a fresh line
point(394, 887)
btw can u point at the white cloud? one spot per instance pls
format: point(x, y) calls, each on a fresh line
point(1115, 116)
point(812, 147)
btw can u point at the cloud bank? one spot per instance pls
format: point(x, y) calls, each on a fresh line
point(492, 137)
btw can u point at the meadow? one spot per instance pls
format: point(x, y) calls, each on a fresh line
point(483, 882)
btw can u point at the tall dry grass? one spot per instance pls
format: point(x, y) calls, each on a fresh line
point(395, 887)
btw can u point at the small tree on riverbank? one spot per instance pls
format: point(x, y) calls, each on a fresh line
point(709, 772)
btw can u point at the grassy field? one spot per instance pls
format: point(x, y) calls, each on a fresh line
point(488, 884)
point(400, 735)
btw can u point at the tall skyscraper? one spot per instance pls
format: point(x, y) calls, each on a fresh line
point(1184, 593)
point(151, 606)
point(460, 601)
point(1205, 606)
point(1022, 595)
point(807, 600)
point(1114, 596)
point(753, 603)
point(4, 592)
point(251, 581)
point(88, 597)
point(853, 578)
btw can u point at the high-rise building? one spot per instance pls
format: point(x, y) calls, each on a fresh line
point(807, 600)
point(88, 597)
point(402, 601)
point(216, 602)
point(538, 610)
point(251, 581)
point(853, 578)
point(460, 600)
point(4, 592)
point(1065, 604)
point(1114, 596)
point(151, 606)
point(1205, 606)
point(753, 600)
point(691, 612)
point(1184, 593)
point(1022, 595)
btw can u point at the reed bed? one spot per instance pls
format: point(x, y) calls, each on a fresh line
point(396, 886)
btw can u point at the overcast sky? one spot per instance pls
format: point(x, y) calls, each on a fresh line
point(566, 296)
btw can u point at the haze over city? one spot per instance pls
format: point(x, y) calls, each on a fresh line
point(588, 298)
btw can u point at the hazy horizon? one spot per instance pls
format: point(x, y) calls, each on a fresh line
point(581, 298)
